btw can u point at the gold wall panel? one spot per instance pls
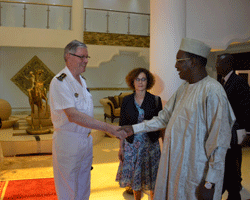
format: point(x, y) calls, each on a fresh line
point(21, 79)
point(113, 39)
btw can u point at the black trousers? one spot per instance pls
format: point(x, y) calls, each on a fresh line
point(232, 176)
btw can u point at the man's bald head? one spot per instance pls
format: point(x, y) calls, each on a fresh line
point(224, 64)
point(227, 58)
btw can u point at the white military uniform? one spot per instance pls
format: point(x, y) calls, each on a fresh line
point(72, 145)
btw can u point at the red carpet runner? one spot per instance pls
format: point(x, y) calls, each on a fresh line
point(30, 189)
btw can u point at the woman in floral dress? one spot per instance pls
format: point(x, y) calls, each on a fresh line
point(139, 154)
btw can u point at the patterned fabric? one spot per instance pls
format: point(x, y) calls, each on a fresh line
point(141, 161)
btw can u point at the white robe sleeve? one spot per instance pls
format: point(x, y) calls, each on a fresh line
point(220, 119)
point(157, 122)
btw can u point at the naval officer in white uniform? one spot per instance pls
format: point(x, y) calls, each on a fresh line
point(72, 116)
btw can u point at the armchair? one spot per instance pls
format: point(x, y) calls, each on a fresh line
point(112, 105)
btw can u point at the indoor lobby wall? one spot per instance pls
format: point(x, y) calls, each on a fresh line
point(107, 67)
point(105, 74)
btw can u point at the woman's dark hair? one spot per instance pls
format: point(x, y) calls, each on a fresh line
point(132, 75)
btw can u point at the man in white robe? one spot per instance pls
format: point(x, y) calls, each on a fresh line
point(198, 119)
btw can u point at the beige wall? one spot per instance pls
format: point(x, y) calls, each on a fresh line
point(107, 68)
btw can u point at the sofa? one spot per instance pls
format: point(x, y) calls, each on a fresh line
point(112, 105)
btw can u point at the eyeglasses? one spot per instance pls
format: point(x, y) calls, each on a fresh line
point(182, 59)
point(140, 79)
point(82, 57)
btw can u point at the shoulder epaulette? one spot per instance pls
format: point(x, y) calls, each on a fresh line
point(61, 77)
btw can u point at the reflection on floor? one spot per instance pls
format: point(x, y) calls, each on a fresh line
point(105, 163)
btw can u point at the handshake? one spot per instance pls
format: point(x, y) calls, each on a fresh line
point(122, 132)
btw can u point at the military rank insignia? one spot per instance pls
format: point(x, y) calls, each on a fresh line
point(61, 77)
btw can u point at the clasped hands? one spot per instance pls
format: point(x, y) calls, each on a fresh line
point(123, 132)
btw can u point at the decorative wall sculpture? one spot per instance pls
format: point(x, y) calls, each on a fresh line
point(113, 39)
point(24, 78)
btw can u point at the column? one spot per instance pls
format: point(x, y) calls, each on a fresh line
point(77, 19)
point(167, 28)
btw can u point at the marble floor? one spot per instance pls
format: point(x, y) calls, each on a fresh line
point(105, 163)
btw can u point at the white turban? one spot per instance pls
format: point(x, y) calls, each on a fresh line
point(195, 47)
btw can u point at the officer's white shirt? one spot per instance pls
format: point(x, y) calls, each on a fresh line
point(69, 93)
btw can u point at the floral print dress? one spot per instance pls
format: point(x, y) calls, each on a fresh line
point(141, 161)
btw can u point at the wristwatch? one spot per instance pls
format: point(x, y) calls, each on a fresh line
point(208, 185)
